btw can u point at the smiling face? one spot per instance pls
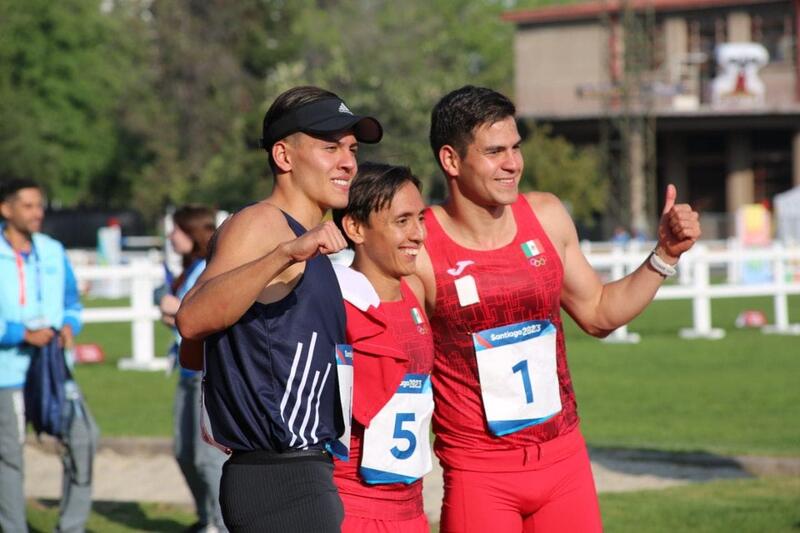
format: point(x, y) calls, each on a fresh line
point(489, 171)
point(387, 246)
point(322, 167)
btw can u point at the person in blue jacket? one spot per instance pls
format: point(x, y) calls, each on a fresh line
point(200, 463)
point(38, 300)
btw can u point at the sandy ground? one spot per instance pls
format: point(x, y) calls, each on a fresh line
point(125, 471)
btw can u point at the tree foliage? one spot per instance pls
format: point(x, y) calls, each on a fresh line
point(65, 68)
point(397, 61)
point(140, 103)
point(554, 165)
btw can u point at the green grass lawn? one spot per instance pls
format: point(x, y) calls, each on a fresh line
point(126, 402)
point(738, 395)
point(743, 505)
point(116, 517)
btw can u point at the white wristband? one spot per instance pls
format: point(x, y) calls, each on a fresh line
point(661, 266)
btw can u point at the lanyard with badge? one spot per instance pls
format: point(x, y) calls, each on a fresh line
point(38, 321)
point(397, 442)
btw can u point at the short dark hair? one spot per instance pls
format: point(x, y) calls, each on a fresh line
point(372, 190)
point(287, 101)
point(9, 188)
point(455, 117)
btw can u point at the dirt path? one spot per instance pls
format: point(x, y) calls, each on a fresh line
point(144, 470)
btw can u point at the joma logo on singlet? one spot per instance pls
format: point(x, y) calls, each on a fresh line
point(460, 267)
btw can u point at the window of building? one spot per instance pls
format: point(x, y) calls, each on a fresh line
point(772, 163)
point(773, 27)
point(706, 171)
point(706, 31)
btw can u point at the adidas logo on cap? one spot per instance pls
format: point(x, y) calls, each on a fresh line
point(343, 109)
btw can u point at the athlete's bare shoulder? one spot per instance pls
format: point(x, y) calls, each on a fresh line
point(247, 235)
point(544, 204)
point(552, 215)
point(438, 213)
point(416, 286)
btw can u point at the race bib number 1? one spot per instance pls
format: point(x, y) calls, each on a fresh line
point(340, 448)
point(518, 375)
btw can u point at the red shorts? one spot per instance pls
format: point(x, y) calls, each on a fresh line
point(372, 513)
point(357, 524)
point(546, 489)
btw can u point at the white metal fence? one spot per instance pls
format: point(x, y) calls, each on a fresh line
point(694, 283)
point(144, 277)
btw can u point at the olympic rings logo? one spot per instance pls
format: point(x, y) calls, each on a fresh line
point(537, 261)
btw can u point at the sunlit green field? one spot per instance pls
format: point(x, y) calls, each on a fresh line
point(738, 395)
point(126, 402)
point(743, 506)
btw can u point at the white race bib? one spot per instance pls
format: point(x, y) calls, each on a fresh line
point(397, 442)
point(518, 375)
point(340, 448)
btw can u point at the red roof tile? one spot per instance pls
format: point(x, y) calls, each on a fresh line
point(593, 9)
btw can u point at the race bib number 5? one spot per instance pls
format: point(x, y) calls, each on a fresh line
point(518, 376)
point(397, 442)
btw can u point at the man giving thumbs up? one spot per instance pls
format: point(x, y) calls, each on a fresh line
point(498, 267)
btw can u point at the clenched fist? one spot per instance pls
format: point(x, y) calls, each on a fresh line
point(324, 239)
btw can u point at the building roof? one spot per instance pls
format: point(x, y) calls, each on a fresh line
point(596, 8)
point(704, 118)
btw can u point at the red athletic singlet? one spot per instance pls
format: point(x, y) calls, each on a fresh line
point(511, 288)
point(393, 501)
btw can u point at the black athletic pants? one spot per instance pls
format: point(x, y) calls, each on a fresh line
point(265, 492)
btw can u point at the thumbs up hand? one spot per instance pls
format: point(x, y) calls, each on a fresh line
point(678, 229)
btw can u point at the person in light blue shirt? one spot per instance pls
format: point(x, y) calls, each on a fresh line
point(200, 463)
point(38, 300)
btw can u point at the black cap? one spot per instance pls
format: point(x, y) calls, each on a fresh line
point(329, 115)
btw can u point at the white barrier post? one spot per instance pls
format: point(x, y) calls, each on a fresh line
point(686, 268)
point(620, 335)
point(734, 267)
point(780, 300)
point(142, 331)
point(701, 301)
point(779, 277)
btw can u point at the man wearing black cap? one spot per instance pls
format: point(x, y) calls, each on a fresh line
point(271, 313)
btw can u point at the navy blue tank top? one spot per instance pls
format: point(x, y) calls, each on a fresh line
point(270, 379)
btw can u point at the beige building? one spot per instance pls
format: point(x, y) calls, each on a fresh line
point(701, 93)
